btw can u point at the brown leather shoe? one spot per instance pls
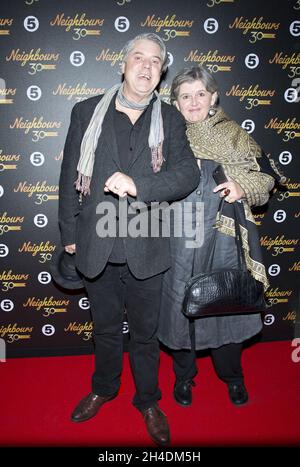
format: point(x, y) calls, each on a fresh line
point(88, 407)
point(157, 425)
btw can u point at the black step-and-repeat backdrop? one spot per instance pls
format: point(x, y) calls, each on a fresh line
point(54, 53)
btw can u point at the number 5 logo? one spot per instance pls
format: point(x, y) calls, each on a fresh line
point(248, 125)
point(285, 157)
point(122, 24)
point(84, 303)
point(291, 95)
point(251, 61)
point(295, 28)
point(274, 270)
point(48, 330)
point(44, 277)
point(77, 58)
point(279, 215)
point(4, 250)
point(211, 25)
point(40, 220)
point(269, 319)
point(6, 305)
point(37, 158)
point(34, 93)
point(31, 23)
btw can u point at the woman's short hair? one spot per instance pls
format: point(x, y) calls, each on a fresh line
point(188, 75)
point(149, 37)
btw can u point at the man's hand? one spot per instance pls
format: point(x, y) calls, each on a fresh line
point(70, 249)
point(120, 184)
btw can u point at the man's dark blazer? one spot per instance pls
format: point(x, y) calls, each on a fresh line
point(178, 177)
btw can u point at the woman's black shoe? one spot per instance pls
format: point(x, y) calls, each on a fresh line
point(237, 393)
point(183, 392)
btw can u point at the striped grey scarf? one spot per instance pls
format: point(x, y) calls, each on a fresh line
point(91, 136)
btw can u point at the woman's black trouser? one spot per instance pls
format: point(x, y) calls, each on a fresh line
point(226, 359)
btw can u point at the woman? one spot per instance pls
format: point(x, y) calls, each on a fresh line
point(214, 139)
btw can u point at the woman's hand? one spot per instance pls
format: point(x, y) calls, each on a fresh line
point(231, 190)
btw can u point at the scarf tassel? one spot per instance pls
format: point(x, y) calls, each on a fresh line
point(157, 158)
point(82, 184)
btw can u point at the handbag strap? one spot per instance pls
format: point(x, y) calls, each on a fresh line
point(212, 244)
point(238, 238)
point(208, 260)
point(210, 252)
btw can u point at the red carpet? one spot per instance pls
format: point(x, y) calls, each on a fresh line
point(38, 395)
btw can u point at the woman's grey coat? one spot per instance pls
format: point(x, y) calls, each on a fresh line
point(211, 332)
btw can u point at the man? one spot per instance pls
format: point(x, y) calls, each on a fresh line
point(126, 144)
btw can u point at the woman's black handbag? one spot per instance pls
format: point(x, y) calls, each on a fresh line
point(223, 291)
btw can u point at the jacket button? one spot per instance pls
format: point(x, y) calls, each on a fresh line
point(198, 192)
